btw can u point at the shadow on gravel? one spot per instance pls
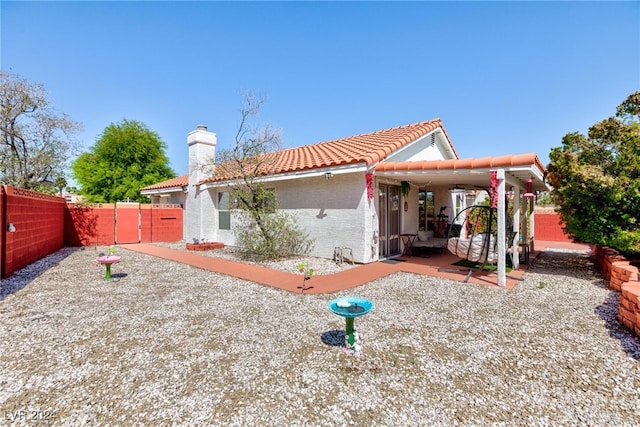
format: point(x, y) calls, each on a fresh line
point(21, 278)
point(581, 265)
point(333, 338)
point(608, 311)
point(566, 263)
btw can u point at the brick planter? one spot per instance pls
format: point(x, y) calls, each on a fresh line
point(204, 246)
point(622, 277)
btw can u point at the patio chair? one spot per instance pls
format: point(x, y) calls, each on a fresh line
point(425, 239)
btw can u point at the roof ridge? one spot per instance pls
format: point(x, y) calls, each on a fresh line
point(368, 148)
point(424, 122)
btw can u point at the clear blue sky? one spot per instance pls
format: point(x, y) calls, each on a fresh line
point(504, 77)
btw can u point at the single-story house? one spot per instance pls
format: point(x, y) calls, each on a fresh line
point(360, 192)
point(172, 191)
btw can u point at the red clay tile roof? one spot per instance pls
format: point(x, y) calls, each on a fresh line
point(481, 163)
point(367, 148)
point(181, 181)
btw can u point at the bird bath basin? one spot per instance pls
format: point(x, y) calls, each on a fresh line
point(107, 260)
point(350, 308)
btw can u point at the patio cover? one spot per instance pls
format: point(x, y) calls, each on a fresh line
point(468, 173)
point(512, 171)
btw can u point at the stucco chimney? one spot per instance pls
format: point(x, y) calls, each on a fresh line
point(202, 154)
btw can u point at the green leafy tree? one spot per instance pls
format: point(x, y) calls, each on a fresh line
point(263, 230)
point(596, 180)
point(60, 183)
point(35, 139)
point(126, 157)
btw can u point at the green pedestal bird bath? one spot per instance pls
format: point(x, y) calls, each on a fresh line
point(350, 308)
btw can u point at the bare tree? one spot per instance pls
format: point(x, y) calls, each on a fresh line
point(35, 140)
point(265, 231)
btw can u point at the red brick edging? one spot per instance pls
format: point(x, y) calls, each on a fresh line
point(204, 246)
point(622, 277)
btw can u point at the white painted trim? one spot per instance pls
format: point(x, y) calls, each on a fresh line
point(163, 191)
point(312, 173)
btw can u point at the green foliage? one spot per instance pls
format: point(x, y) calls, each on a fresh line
point(126, 157)
point(60, 183)
point(276, 236)
point(478, 218)
point(263, 231)
point(405, 187)
point(596, 180)
point(544, 199)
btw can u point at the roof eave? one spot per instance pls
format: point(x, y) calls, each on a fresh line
point(285, 176)
point(180, 189)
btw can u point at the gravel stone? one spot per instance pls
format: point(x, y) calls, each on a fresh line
point(168, 344)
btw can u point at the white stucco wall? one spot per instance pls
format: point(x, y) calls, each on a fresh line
point(432, 146)
point(197, 215)
point(334, 212)
point(173, 198)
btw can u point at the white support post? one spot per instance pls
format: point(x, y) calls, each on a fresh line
point(516, 227)
point(502, 238)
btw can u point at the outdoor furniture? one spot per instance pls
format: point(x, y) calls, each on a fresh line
point(474, 248)
point(425, 239)
point(476, 238)
point(407, 243)
point(339, 252)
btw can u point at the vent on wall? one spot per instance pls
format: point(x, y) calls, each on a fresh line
point(433, 139)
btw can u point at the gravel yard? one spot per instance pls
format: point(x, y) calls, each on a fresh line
point(169, 344)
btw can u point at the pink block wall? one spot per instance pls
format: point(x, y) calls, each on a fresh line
point(549, 227)
point(39, 223)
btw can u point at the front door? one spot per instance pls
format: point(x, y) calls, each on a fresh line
point(389, 216)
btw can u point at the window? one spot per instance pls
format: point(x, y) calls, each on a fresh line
point(265, 200)
point(224, 213)
point(426, 210)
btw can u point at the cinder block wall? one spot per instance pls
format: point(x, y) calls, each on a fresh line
point(39, 227)
point(549, 226)
point(90, 225)
point(44, 224)
point(161, 223)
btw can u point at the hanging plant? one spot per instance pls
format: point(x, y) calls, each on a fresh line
point(493, 192)
point(369, 178)
point(404, 188)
